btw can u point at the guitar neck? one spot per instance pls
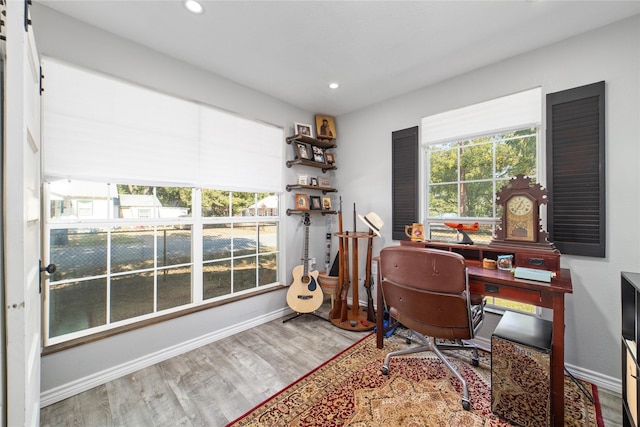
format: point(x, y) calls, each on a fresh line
point(305, 259)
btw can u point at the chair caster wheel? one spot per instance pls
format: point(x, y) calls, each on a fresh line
point(466, 405)
point(475, 362)
point(385, 370)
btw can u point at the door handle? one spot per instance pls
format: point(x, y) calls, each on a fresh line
point(49, 269)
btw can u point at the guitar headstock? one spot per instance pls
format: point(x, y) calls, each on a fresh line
point(307, 219)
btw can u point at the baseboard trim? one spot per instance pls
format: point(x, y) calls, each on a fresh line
point(75, 387)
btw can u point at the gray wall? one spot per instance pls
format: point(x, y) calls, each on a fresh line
point(612, 54)
point(363, 177)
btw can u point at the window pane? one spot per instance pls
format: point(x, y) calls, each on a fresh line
point(174, 247)
point(216, 241)
point(516, 153)
point(144, 202)
point(77, 306)
point(72, 200)
point(244, 274)
point(245, 239)
point(215, 203)
point(476, 199)
point(216, 279)
point(443, 201)
point(131, 295)
point(476, 162)
point(77, 253)
point(268, 269)
point(174, 287)
point(443, 163)
point(268, 236)
point(132, 249)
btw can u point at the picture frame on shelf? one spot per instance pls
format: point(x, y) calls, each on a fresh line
point(323, 181)
point(302, 202)
point(315, 203)
point(302, 151)
point(326, 203)
point(303, 129)
point(303, 179)
point(318, 154)
point(313, 182)
point(329, 158)
point(325, 127)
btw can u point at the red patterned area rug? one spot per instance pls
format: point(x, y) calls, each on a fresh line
point(350, 390)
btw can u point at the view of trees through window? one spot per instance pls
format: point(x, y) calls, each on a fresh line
point(464, 176)
point(127, 252)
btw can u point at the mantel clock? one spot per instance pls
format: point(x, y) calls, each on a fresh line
point(520, 225)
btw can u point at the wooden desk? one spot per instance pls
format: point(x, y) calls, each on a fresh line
point(502, 284)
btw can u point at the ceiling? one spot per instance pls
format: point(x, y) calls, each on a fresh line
point(376, 50)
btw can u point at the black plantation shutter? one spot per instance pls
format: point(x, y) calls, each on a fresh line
point(404, 179)
point(576, 170)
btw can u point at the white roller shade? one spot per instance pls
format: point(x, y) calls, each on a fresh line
point(239, 154)
point(98, 128)
point(519, 110)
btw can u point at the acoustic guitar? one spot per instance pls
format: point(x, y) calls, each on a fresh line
point(304, 294)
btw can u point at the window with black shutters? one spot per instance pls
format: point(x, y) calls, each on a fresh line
point(576, 170)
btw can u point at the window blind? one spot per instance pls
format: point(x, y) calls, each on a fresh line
point(98, 128)
point(523, 109)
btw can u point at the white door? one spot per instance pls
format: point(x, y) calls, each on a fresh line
point(22, 219)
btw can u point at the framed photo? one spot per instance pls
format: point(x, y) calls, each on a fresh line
point(326, 203)
point(318, 154)
point(314, 181)
point(316, 204)
point(302, 202)
point(329, 158)
point(303, 179)
point(303, 129)
point(302, 151)
point(326, 127)
point(323, 181)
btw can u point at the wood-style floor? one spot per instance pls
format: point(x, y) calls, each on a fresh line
point(219, 382)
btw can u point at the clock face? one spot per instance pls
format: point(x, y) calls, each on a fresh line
point(519, 205)
point(520, 219)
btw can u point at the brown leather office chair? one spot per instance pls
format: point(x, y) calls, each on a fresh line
point(427, 290)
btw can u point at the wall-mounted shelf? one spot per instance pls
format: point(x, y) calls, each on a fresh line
point(325, 167)
point(324, 190)
point(298, 212)
point(323, 143)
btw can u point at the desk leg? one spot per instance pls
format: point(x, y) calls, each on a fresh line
point(557, 366)
point(379, 311)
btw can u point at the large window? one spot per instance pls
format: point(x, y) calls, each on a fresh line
point(469, 154)
point(142, 251)
point(156, 204)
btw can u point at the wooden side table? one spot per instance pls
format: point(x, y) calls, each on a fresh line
point(345, 317)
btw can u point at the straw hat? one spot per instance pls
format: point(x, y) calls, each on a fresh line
point(373, 221)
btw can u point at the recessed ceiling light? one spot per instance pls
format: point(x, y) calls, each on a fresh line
point(334, 85)
point(194, 6)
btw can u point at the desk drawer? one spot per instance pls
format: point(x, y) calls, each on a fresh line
point(544, 262)
point(527, 296)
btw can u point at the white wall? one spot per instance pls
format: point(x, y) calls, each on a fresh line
point(612, 54)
